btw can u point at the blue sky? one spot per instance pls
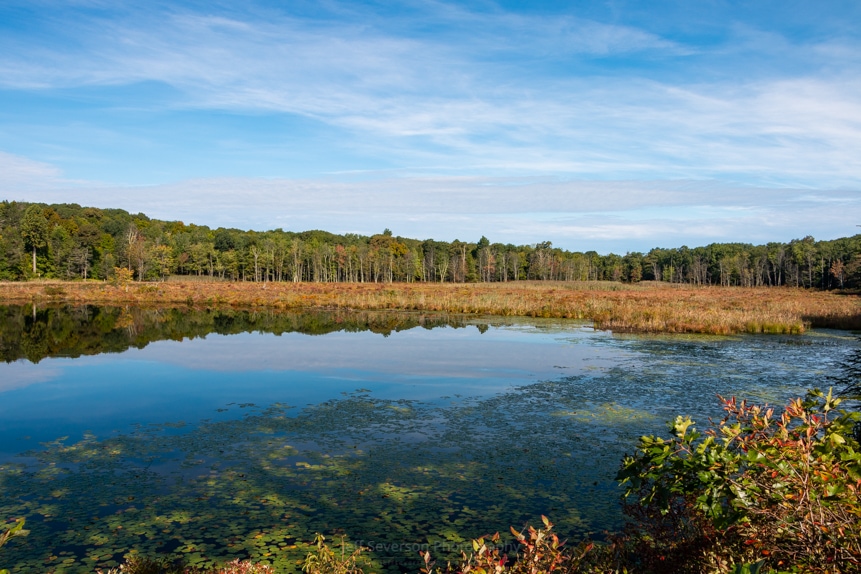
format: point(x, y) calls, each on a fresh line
point(614, 126)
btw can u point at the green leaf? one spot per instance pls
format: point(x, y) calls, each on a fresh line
point(680, 426)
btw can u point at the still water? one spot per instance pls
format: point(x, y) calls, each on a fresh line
point(221, 434)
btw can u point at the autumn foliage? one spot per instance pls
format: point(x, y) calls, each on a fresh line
point(647, 308)
point(779, 489)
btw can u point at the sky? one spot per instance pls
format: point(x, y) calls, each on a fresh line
point(609, 126)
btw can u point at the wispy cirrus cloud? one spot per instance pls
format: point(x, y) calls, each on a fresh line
point(21, 173)
point(533, 121)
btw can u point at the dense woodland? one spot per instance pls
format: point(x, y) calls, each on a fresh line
point(67, 241)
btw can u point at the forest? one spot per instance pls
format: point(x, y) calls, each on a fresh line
point(67, 241)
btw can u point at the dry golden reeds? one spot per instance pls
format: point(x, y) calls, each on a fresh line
point(640, 308)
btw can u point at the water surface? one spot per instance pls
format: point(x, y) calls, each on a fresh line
point(226, 433)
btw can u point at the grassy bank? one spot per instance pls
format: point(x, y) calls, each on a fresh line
point(646, 308)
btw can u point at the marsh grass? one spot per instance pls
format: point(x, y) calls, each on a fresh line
point(643, 308)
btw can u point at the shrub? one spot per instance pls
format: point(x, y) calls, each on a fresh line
point(143, 565)
point(540, 551)
point(121, 276)
point(778, 490)
point(324, 560)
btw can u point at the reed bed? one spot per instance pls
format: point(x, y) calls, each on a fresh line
point(647, 308)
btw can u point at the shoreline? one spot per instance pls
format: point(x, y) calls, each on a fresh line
point(638, 308)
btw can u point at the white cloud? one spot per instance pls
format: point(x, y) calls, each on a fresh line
point(20, 173)
point(535, 126)
point(576, 214)
point(466, 100)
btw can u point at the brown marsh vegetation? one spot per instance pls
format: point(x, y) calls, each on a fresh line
point(643, 307)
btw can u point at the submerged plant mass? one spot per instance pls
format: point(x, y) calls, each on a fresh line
point(393, 473)
point(397, 473)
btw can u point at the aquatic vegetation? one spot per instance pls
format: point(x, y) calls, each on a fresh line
point(607, 413)
point(755, 491)
point(656, 308)
point(533, 551)
point(141, 565)
point(391, 473)
point(256, 482)
point(259, 487)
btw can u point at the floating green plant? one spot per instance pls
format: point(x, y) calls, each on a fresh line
point(387, 472)
point(607, 413)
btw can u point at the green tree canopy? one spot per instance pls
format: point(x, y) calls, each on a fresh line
point(34, 230)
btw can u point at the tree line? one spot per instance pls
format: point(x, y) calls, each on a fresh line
point(67, 241)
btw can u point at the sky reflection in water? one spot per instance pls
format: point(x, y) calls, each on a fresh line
point(422, 435)
point(192, 379)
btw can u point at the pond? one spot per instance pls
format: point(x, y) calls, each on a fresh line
point(218, 434)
